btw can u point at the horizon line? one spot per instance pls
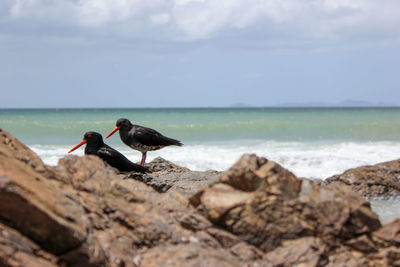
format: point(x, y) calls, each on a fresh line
point(209, 107)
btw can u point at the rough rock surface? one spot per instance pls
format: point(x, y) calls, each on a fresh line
point(264, 205)
point(82, 213)
point(381, 180)
point(169, 176)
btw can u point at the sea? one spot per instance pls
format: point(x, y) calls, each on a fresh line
point(311, 142)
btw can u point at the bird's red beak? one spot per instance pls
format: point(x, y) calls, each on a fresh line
point(113, 131)
point(78, 145)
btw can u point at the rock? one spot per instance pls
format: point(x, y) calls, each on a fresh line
point(306, 251)
point(344, 257)
point(389, 257)
point(338, 211)
point(17, 250)
point(169, 176)
point(12, 147)
point(381, 180)
point(224, 238)
point(28, 201)
point(161, 165)
point(194, 221)
point(270, 206)
point(220, 198)
point(389, 233)
point(362, 243)
point(84, 213)
point(186, 255)
point(252, 173)
point(246, 252)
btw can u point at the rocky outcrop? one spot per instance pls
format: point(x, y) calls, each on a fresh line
point(169, 176)
point(82, 213)
point(291, 220)
point(381, 180)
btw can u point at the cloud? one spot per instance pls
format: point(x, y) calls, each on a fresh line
point(193, 20)
point(162, 18)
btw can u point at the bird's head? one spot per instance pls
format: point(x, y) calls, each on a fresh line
point(90, 138)
point(121, 124)
point(93, 138)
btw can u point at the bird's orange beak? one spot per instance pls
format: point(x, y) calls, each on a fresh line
point(113, 131)
point(78, 145)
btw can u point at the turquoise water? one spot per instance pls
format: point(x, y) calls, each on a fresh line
point(63, 126)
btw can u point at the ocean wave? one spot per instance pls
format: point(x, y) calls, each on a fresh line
point(304, 159)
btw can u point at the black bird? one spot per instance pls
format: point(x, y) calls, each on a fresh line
point(142, 138)
point(96, 146)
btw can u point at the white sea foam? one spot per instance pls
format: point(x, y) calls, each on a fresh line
point(387, 209)
point(308, 159)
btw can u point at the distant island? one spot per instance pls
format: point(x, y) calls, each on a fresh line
point(344, 104)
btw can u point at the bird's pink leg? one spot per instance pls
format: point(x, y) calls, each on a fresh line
point(143, 158)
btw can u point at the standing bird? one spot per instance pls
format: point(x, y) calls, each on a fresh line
point(142, 138)
point(96, 146)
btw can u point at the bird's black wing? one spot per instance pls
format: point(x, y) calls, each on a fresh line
point(108, 153)
point(119, 161)
point(151, 137)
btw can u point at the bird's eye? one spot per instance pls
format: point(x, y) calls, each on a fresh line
point(89, 136)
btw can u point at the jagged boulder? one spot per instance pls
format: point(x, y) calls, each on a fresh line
point(35, 206)
point(264, 204)
point(380, 180)
point(167, 176)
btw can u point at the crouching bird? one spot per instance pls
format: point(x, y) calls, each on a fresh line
point(96, 146)
point(142, 138)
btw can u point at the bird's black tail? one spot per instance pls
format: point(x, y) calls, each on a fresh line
point(169, 141)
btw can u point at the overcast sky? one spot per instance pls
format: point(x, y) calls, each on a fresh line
point(197, 53)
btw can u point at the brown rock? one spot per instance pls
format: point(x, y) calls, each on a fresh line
point(381, 180)
point(339, 212)
point(350, 258)
point(243, 174)
point(224, 238)
point(83, 213)
point(389, 233)
point(12, 147)
point(193, 221)
point(363, 244)
point(35, 206)
point(186, 255)
point(389, 257)
point(221, 198)
point(252, 173)
point(182, 181)
point(246, 252)
point(167, 176)
point(306, 251)
point(17, 250)
point(161, 165)
point(281, 208)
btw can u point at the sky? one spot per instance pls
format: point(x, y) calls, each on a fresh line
point(197, 53)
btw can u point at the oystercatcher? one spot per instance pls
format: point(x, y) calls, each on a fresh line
point(142, 138)
point(96, 146)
